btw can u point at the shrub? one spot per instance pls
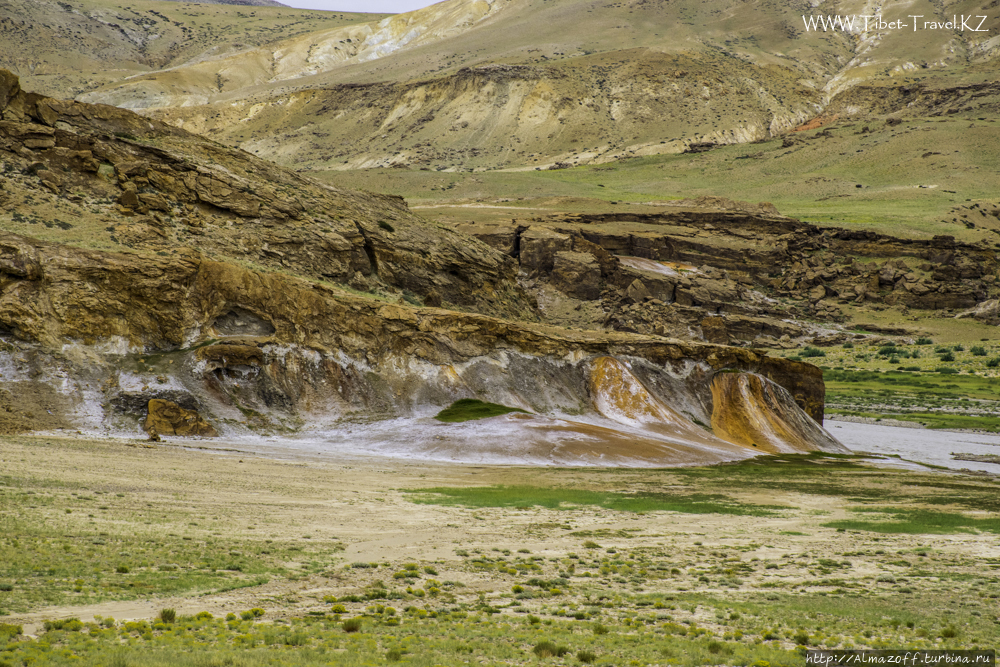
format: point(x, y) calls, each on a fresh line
point(351, 625)
point(386, 226)
point(246, 615)
point(848, 345)
point(946, 370)
point(993, 363)
point(534, 620)
point(812, 352)
point(586, 656)
point(168, 615)
point(949, 632)
point(68, 624)
point(546, 649)
point(947, 356)
point(801, 637)
point(886, 579)
point(394, 654)
point(714, 646)
point(338, 609)
point(959, 348)
point(923, 340)
point(600, 629)
point(978, 351)
point(257, 612)
point(122, 569)
point(204, 616)
point(8, 630)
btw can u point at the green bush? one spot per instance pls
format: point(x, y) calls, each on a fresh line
point(959, 348)
point(394, 654)
point(351, 625)
point(338, 609)
point(946, 370)
point(923, 340)
point(978, 351)
point(547, 649)
point(993, 363)
point(848, 345)
point(586, 656)
point(204, 616)
point(122, 569)
point(7, 630)
point(949, 632)
point(168, 615)
point(812, 352)
point(386, 226)
point(947, 356)
point(68, 624)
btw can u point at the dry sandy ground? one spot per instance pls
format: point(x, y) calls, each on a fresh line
point(359, 503)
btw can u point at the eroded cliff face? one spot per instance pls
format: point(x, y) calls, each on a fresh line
point(197, 333)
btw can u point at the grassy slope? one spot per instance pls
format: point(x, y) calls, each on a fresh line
point(815, 179)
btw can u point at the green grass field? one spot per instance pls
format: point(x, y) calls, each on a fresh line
point(903, 193)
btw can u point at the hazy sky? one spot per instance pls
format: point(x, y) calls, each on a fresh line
point(375, 6)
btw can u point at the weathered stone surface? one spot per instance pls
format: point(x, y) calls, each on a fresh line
point(714, 330)
point(163, 302)
point(166, 418)
point(577, 274)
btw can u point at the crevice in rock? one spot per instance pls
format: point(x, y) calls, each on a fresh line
point(369, 249)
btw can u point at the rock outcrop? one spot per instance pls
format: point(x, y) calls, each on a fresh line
point(140, 184)
point(230, 295)
point(730, 272)
point(166, 418)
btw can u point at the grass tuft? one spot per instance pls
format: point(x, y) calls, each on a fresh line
point(468, 409)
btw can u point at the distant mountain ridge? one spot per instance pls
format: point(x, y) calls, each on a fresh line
point(252, 3)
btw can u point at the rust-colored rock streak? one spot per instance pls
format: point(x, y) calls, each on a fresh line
point(620, 396)
point(752, 411)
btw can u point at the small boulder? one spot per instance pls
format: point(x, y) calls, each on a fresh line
point(168, 418)
point(637, 291)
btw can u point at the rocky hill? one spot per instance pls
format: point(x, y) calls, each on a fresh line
point(471, 84)
point(159, 279)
